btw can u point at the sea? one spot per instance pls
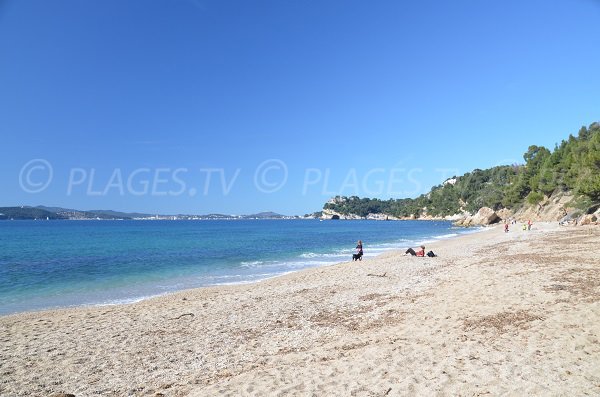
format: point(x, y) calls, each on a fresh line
point(58, 263)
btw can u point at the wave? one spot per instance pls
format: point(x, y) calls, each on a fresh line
point(310, 255)
point(474, 229)
point(294, 264)
point(121, 301)
point(251, 263)
point(369, 250)
point(443, 236)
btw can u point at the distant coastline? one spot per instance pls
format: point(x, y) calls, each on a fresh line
point(58, 213)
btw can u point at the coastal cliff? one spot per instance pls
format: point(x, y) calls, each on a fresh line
point(559, 185)
point(560, 207)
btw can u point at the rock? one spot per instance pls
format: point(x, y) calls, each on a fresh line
point(331, 214)
point(589, 219)
point(553, 208)
point(485, 216)
point(381, 217)
point(455, 217)
point(570, 218)
point(62, 395)
point(504, 213)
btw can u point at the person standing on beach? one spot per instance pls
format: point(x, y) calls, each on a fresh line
point(505, 227)
point(529, 224)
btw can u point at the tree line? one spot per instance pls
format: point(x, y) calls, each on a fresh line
point(573, 166)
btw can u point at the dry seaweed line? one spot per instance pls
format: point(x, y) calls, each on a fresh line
point(377, 275)
point(500, 321)
point(182, 315)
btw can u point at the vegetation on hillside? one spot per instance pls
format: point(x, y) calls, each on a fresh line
point(27, 213)
point(41, 212)
point(573, 165)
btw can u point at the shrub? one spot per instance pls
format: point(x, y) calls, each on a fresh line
point(534, 197)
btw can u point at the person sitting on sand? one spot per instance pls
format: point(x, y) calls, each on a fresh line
point(417, 253)
point(359, 252)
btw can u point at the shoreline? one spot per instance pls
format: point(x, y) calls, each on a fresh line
point(496, 313)
point(460, 231)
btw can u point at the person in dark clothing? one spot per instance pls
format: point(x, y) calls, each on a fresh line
point(359, 252)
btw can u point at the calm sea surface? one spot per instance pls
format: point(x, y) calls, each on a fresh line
point(48, 264)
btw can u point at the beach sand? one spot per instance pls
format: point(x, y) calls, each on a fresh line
point(496, 313)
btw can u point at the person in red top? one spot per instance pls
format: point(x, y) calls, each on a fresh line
point(416, 253)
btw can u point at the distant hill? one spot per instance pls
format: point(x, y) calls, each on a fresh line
point(69, 213)
point(27, 213)
point(265, 215)
point(54, 209)
point(45, 212)
point(122, 215)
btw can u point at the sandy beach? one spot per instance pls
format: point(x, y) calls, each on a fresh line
point(495, 313)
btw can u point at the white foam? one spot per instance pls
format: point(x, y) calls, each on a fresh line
point(331, 255)
point(251, 263)
point(444, 236)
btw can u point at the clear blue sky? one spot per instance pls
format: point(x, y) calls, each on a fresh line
point(383, 98)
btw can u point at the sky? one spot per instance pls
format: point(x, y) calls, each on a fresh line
point(237, 107)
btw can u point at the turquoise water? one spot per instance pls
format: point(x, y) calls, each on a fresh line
point(48, 264)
